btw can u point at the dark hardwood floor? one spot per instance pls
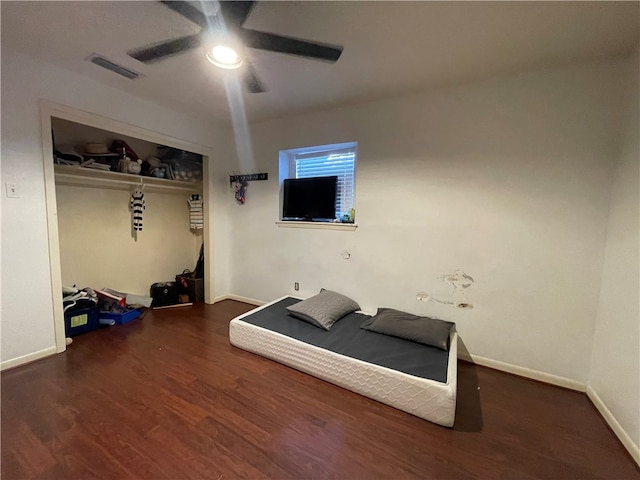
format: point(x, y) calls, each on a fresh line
point(168, 397)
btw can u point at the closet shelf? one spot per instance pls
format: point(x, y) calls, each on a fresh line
point(86, 177)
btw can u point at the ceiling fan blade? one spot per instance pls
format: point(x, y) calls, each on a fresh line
point(290, 45)
point(251, 81)
point(235, 12)
point(188, 11)
point(159, 51)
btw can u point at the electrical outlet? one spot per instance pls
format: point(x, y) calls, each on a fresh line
point(12, 190)
point(296, 286)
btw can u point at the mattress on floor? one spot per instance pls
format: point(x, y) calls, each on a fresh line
point(415, 378)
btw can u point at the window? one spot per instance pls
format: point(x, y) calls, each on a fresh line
point(324, 161)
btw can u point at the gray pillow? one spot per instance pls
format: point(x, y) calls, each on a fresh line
point(428, 331)
point(323, 309)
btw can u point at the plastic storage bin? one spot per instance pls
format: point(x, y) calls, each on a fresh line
point(121, 318)
point(81, 321)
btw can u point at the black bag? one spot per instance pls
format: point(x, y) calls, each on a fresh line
point(189, 285)
point(164, 294)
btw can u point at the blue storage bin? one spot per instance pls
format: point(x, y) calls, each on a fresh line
point(81, 321)
point(121, 318)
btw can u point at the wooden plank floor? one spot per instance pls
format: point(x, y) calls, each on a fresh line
point(168, 397)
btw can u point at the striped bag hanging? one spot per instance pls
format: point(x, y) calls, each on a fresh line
point(196, 212)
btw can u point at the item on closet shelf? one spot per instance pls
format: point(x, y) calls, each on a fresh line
point(120, 146)
point(196, 212)
point(102, 161)
point(97, 156)
point(137, 206)
point(95, 148)
point(124, 161)
point(129, 165)
point(134, 168)
point(153, 167)
point(91, 163)
point(184, 166)
point(169, 171)
point(67, 155)
point(149, 165)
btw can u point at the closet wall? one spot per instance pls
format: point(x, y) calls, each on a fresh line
point(98, 247)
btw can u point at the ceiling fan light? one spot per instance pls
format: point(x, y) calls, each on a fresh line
point(224, 57)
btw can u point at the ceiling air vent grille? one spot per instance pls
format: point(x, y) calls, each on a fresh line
point(109, 65)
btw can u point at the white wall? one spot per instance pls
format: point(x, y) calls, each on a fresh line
point(615, 362)
point(507, 180)
point(98, 248)
point(27, 309)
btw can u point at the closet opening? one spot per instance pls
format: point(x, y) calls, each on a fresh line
point(98, 237)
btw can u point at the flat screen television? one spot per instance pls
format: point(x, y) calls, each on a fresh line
point(310, 199)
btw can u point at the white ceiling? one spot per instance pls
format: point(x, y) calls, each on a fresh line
point(390, 48)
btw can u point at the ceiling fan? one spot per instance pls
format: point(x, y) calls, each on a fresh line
point(224, 30)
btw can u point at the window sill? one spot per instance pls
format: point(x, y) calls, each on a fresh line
point(318, 225)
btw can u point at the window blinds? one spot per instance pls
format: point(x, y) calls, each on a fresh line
point(340, 163)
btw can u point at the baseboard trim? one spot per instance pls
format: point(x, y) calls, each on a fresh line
point(31, 357)
point(525, 372)
point(623, 436)
point(238, 298)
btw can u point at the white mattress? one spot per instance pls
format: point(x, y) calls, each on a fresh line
point(424, 398)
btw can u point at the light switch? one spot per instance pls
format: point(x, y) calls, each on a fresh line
point(12, 190)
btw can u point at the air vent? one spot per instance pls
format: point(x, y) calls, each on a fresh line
point(109, 65)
